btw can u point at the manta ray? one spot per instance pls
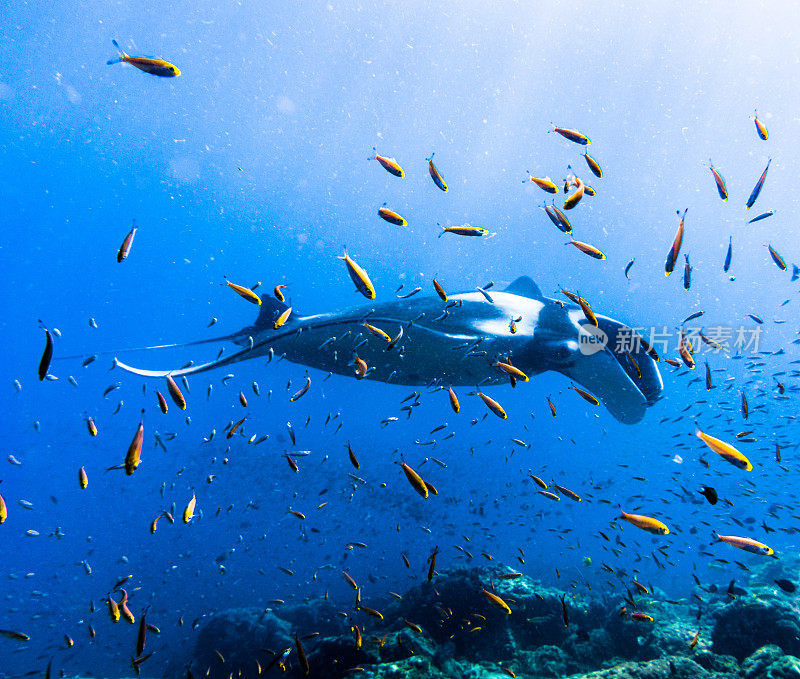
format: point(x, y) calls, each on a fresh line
point(455, 343)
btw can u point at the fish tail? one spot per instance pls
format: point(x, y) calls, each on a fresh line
point(121, 56)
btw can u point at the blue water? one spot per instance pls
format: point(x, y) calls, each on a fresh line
point(253, 164)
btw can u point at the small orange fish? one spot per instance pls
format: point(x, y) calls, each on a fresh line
point(747, 544)
point(761, 129)
point(594, 166)
point(437, 178)
point(359, 277)
point(158, 67)
point(674, 251)
point(454, 404)
point(232, 432)
point(545, 183)
point(415, 480)
point(726, 451)
point(134, 455)
point(647, 523)
point(587, 249)
point(188, 513)
point(539, 482)
point(350, 580)
point(244, 293)
point(282, 318)
point(585, 395)
point(361, 367)
point(496, 601)
point(694, 640)
point(464, 230)
point(391, 216)
point(512, 370)
point(575, 198)
point(390, 165)
point(378, 332)
point(175, 393)
point(493, 405)
point(572, 135)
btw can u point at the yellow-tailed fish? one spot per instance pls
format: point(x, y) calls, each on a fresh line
point(720, 182)
point(726, 451)
point(594, 166)
point(134, 455)
point(158, 67)
point(244, 293)
point(747, 544)
point(437, 178)
point(647, 523)
point(175, 393)
point(188, 512)
point(359, 277)
point(282, 318)
point(390, 165)
point(588, 249)
point(493, 405)
point(391, 216)
point(674, 251)
point(572, 135)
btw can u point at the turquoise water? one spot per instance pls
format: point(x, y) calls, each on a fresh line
point(257, 164)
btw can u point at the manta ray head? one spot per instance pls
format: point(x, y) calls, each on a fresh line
point(607, 360)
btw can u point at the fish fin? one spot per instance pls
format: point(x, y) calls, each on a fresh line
point(621, 337)
point(524, 286)
point(613, 380)
point(268, 312)
point(605, 378)
point(121, 56)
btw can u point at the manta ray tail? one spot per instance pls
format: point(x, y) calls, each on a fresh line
point(191, 370)
point(269, 310)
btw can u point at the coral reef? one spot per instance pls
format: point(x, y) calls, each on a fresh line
point(459, 626)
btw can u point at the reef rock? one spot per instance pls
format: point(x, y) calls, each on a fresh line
point(675, 668)
point(233, 638)
point(745, 625)
point(412, 668)
point(454, 610)
point(769, 662)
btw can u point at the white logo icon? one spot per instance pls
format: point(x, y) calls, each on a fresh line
point(591, 340)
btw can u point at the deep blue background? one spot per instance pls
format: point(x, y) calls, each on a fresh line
point(253, 165)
